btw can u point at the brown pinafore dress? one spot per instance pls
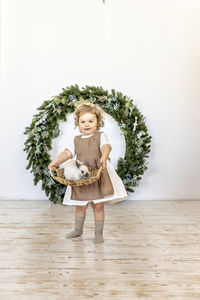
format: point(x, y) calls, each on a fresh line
point(88, 151)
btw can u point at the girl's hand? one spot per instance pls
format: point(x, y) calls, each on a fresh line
point(103, 161)
point(52, 165)
point(63, 156)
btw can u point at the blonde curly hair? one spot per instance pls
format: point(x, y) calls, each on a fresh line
point(87, 107)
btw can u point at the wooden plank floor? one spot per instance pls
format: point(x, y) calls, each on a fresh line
point(151, 251)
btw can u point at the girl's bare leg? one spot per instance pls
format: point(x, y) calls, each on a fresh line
point(98, 210)
point(81, 211)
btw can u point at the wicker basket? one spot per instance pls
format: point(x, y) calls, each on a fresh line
point(94, 175)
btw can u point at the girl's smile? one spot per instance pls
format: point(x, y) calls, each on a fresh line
point(88, 123)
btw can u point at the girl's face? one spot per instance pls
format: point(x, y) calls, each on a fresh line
point(87, 123)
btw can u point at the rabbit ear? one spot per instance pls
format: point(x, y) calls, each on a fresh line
point(84, 162)
point(78, 163)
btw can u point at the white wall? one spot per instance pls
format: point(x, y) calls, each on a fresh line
point(148, 50)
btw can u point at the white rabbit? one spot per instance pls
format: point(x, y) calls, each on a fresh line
point(75, 170)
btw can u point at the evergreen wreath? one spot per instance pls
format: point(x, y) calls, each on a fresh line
point(45, 126)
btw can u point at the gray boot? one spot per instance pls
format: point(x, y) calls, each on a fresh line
point(78, 228)
point(99, 231)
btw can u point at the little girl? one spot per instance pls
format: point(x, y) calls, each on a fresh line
point(93, 148)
